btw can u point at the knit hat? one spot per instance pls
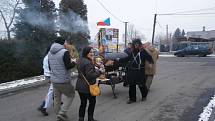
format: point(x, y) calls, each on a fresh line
point(136, 41)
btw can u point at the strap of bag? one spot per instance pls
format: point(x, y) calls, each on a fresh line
point(83, 76)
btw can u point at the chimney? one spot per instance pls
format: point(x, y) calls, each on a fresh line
point(203, 29)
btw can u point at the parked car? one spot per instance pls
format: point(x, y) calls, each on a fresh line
point(200, 50)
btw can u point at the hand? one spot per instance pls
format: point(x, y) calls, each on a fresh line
point(102, 70)
point(96, 68)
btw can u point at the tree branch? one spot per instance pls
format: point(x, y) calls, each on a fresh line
point(14, 12)
point(2, 15)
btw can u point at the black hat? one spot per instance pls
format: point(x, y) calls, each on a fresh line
point(60, 40)
point(136, 41)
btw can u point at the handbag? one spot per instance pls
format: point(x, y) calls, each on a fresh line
point(94, 88)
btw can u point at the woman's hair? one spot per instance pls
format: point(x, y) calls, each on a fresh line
point(86, 51)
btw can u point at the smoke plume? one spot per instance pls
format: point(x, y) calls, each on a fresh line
point(69, 22)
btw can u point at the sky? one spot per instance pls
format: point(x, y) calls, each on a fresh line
point(140, 13)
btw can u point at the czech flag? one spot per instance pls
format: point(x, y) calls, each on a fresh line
point(106, 22)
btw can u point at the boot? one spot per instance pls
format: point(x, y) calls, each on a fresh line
point(43, 111)
point(81, 119)
point(92, 119)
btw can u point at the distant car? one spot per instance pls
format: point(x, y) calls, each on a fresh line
point(200, 50)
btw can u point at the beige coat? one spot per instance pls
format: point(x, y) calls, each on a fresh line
point(154, 53)
point(72, 51)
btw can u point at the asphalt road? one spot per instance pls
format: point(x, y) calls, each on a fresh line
point(180, 90)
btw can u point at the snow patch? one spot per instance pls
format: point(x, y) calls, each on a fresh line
point(205, 115)
point(21, 82)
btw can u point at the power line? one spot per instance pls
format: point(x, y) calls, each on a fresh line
point(109, 11)
point(198, 10)
point(191, 12)
point(184, 14)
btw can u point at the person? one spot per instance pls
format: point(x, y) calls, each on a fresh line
point(73, 55)
point(150, 71)
point(49, 96)
point(60, 64)
point(136, 71)
point(72, 50)
point(128, 52)
point(86, 68)
point(128, 49)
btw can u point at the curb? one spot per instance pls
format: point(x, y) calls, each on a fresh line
point(40, 81)
point(24, 84)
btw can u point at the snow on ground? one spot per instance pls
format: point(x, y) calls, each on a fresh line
point(22, 82)
point(205, 115)
point(171, 55)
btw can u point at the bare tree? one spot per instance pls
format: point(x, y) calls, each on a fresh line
point(8, 10)
point(134, 33)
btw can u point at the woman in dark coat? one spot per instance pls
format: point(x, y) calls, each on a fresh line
point(136, 72)
point(87, 68)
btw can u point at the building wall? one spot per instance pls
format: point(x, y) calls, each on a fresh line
point(202, 34)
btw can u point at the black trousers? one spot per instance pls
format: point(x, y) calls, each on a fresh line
point(132, 91)
point(92, 102)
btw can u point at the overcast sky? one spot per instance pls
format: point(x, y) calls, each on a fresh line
point(141, 13)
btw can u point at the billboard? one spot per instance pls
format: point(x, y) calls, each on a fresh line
point(109, 39)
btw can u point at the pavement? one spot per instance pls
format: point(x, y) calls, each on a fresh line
point(206, 115)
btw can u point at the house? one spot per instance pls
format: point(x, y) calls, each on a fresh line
point(202, 34)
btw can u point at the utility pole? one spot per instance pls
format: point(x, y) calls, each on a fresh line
point(171, 42)
point(126, 24)
point(153, 33)
point(167, 36)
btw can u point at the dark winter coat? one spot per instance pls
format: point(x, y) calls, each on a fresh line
point(87, 68)
point(136, 66)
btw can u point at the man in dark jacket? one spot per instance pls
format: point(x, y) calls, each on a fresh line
point(136, 72)
point(60, 63)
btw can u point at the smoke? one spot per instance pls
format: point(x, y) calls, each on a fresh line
point(40, 19)
point(69, 22)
